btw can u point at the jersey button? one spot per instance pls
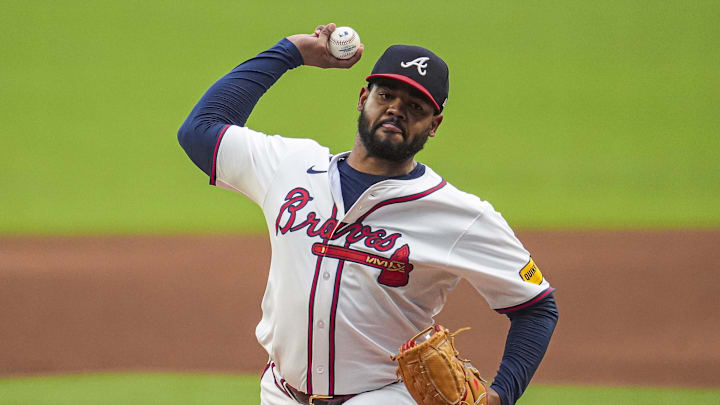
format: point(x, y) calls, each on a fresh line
point(326, 276)
point(321, 324)
point(320, 369)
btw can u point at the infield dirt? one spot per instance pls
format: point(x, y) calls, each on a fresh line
point(636, 307)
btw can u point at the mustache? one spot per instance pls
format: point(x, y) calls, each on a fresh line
point(394, 121)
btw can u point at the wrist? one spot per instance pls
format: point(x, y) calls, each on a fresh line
point(493, 397)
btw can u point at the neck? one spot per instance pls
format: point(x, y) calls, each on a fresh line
point(360, 160)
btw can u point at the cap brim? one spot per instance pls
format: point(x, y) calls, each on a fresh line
point(409, 81)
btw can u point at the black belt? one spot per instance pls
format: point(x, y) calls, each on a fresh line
point(306, 399)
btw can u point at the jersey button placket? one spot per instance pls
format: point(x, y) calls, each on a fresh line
point(322, 312)
point(321, 337)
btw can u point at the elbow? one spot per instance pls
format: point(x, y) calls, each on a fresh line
point(552, 309)
point(184, 133)
point(199, 139)
point(197, 130)
point(192, 132)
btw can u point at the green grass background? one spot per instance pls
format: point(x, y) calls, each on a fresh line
point(561, 113)
point(184, 389)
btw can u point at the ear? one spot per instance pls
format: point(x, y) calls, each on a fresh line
point(364, 93)
point(436, 121)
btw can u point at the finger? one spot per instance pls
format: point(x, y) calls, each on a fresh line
point(317, 30)
point(327, 31)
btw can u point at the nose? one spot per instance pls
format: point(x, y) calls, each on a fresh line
point(396, 108)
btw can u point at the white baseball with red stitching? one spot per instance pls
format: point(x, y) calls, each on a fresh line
point(343, 42)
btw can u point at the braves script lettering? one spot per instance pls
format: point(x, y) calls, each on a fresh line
point(288, 221)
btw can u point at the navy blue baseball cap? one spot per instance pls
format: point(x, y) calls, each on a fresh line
point(418, 67)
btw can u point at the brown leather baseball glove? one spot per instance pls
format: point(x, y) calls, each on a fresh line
point(435, 375)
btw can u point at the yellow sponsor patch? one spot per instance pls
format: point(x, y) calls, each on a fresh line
point(531, 273)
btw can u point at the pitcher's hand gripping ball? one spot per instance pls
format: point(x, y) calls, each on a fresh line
point(343, 42)
point(434, 374)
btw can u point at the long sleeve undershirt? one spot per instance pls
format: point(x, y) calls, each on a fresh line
point(528, 338)
point(231, 100)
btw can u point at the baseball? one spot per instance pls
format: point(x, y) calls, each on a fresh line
point(344, 42)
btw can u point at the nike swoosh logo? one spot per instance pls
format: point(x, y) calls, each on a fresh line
point(313, 171)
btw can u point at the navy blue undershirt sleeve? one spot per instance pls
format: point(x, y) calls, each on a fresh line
point(526, 344)
point(231, 99)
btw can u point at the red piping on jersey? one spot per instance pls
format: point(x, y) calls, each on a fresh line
point(217, 147)
point(267, 366)
point(407, 198)
point(312, 308)
point(333, 316)
point(526, 304)
point(282, 382)
point(310, 324)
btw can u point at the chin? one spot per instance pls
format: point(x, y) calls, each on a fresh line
point(393, 137)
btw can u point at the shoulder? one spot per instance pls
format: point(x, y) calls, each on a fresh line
point(468, 213)
point(238, 138)
point(245, 132)
point(458, 200)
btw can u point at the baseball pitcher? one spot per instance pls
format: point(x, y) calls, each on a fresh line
point(367, 244)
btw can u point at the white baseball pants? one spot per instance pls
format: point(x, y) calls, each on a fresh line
point(272, 393)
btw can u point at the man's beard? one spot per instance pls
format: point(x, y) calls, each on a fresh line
point(386, 149)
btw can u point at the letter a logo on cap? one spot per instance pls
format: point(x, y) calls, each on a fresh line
point(420, 62)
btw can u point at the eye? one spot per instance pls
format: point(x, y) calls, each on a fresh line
point(416, 107)
point(383, 95)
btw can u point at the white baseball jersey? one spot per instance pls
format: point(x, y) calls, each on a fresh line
point(346, 289)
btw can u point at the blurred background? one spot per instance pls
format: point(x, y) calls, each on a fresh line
point(589, 125)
